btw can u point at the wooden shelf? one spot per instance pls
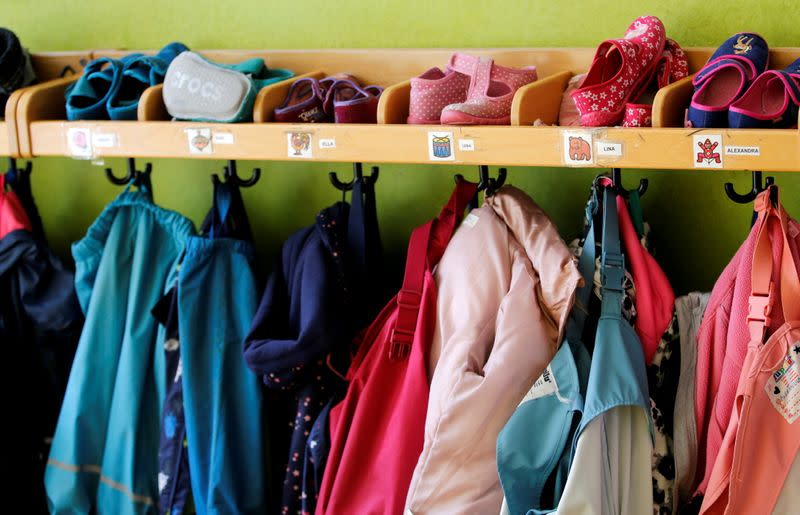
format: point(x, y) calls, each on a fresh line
point(42, 131)
point(668, 148)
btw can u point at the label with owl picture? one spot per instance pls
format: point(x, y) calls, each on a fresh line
point(298, 145)
point(578, 149)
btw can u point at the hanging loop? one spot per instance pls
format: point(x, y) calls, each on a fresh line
point(751, 195)
point(616, 179)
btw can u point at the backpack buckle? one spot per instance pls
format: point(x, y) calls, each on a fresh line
point(758, 316)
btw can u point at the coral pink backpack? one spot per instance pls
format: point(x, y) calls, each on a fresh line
point(763, 437)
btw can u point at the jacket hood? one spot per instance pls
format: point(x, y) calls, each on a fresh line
point(549, 255)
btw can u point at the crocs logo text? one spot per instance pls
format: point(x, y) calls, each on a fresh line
point(195, 85)
point(743, 45)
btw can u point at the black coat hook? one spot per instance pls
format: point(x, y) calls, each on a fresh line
point(358, 175)
point(133, 174)
point(616, 178)
point(230, 174)
point(15, 171)
point(486, 183)
point(753, 193)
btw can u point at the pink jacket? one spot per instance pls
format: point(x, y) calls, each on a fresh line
point(506, 286)
point(722, 347)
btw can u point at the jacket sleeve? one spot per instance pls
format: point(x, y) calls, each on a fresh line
point(299, 319)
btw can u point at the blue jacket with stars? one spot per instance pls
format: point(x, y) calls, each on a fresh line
point(324, 288)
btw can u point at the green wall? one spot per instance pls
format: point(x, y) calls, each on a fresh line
point(696, 228)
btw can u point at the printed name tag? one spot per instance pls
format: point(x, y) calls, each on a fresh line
point(327, 143)
point(733, 150)
point(104, 139)
point(609, 149)
point(223, 138)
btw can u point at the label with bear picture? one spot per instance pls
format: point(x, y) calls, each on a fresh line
point(578, 149)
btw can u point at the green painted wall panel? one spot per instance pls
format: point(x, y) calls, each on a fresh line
point(696, 228)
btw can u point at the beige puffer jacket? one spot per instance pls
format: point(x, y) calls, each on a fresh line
point(506, 286)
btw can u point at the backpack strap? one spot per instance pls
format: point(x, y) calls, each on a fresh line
point(425, 249)
point(762, 289)
point(612, 268)
point(586, 266)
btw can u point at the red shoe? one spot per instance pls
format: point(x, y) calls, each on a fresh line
point(671, 66)
point(619, 71)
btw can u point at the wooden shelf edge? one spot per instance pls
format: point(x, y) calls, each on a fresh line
point(667, 148)
point(40, 102)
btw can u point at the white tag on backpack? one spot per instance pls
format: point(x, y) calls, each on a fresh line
point(545, 385)
point(783, 386)
point(471, 220)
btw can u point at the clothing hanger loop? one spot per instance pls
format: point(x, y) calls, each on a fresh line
point(132, 175)
point(616, 179)
point(751, 195)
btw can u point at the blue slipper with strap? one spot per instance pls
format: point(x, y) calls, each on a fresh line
point(770, 102)
point(725, 78)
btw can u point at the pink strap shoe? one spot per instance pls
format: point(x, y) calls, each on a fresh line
point(432, 91)
point(490, 94)
point(619, 71)
point(671, 66)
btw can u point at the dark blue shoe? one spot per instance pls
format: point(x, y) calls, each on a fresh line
point(725, 77)
point(770, 102)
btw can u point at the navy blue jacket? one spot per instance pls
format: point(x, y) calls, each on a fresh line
point(323, 290)
point(40, 324)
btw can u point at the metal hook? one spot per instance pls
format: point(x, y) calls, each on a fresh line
point(616, 179)
point(489, 184)
point(133, 174)
point(17, 172)
point(231, 174)
point(358, 175)
point(753, 193)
